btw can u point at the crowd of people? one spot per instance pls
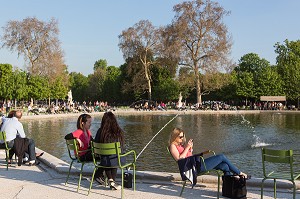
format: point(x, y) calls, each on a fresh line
point(141, 105)
point(147, 105)
point(57, 108)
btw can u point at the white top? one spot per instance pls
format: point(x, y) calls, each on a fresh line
point(12, 128)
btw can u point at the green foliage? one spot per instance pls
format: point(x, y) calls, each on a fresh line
point(255, 77)
point(134, 84)
point(111, 90)
point(269, 83)
point(100, 64)
point(251, 63)
point(5, 75)
point(38, 87)
point(165, 88)
point(96, 81)
point(288, 62)
point(245, 85)
point(79, 86)
point(17, 85)
point(227, 91)
point(58, 89)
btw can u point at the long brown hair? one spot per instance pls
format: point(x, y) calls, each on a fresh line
point(174, 134)
point(109, 130)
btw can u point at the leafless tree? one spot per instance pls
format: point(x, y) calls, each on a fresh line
point(199, 38)
point(142, 41)
point(38, 42)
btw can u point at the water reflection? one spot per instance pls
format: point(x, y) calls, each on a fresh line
point(227, 133)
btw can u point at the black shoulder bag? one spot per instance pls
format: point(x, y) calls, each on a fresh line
point(234, 186)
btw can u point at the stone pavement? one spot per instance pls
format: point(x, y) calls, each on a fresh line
point(47, 180)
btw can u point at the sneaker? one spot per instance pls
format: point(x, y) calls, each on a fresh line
point(25, 160)
point(34, 163)
point(113, 185)
point(100, 180)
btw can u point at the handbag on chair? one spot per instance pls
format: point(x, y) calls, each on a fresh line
point(127, 180)
point(234, 186)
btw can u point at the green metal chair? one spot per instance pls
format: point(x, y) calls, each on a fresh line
point(99, 149)
point(206, 172)
point(74, 154)
point(6, 148)
point(278, 164)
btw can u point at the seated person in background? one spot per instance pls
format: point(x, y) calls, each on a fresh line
point(179, 149)
point(13, 129)
point(146, 106)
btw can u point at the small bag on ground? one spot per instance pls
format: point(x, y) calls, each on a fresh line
point(127, 180)
point(234, 186)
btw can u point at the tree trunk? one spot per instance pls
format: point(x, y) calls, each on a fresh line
point(149, 90)
point(148, 81)
point(198, 88)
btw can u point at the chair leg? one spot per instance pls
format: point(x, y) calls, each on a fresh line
point(182, 188)
point(92, 180)
point(274, 188)
point(294, 190)
point(69, 172)
point(218, 196)
point(262, 189)
point(122, 183)
point(79, 181)
point(133, 177)
point(6, 158)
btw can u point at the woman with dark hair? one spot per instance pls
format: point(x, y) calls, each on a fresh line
point(83, 136)
point(109, 132)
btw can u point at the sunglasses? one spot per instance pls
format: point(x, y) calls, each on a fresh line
point(181, 137)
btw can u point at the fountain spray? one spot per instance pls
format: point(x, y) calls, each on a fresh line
point(156, 135)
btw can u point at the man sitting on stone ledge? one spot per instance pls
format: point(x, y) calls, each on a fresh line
point(16, 138)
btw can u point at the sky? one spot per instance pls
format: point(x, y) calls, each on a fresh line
point(89, 30)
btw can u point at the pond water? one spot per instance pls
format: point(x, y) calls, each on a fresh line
point(239, 136)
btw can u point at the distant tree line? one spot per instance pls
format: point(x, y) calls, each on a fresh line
point(189, 56)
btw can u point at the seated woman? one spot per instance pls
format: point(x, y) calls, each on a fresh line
point(83, 136)
point(179, 149)
point(109, 132)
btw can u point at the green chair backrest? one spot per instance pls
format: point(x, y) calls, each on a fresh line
point(277, 156)
point(72, 148)
point(3, 138)
point(106, 148)
point(113, 148)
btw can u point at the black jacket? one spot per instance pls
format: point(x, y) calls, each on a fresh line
point(189, 168)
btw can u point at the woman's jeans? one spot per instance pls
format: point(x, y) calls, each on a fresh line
point(220, 162)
